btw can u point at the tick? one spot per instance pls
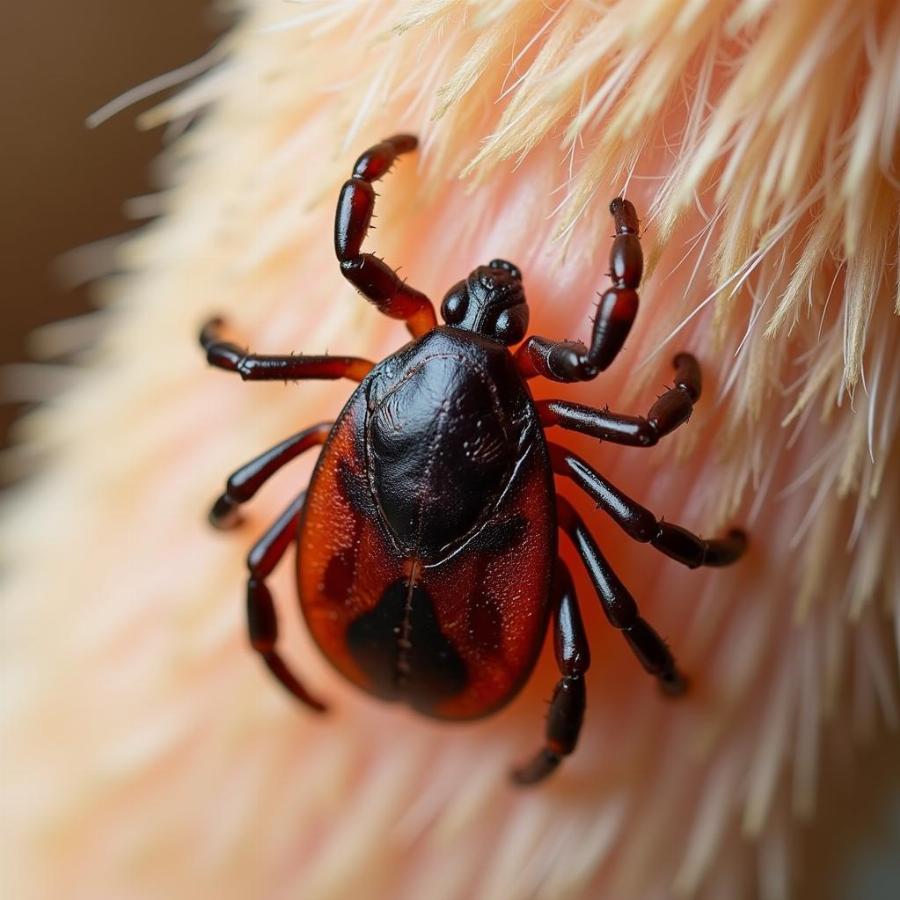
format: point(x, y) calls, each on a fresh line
point(427, 562)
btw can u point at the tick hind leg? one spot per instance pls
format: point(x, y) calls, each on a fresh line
point(371, 276)
point(262, 619)
point(573, 657)
point(639, 523)
point(619, 606)
point(244, 482)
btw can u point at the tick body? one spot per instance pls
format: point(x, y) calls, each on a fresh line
point(435, 588)
point(427, 559)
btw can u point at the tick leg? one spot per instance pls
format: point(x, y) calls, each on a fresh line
point(616, 311)
point(253, 367)
point(619, 606)
point(573, 656)
point(244, 482)
point(672, 408)
point(262, 620)
point(640, 524)
point(372, 277)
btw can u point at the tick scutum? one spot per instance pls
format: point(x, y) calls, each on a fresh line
point(441, 443)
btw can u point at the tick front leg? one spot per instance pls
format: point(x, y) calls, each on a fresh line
point(244, 482)
point(253, 367)
point(262, 620)
point(639, 523)
point(372, 277)
point(619, 606)
point(573, 656)
point(672, 408)
point(569, 361)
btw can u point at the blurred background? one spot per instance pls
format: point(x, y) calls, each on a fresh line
point(63, 185)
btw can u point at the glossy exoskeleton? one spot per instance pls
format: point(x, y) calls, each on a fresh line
point(427, 561)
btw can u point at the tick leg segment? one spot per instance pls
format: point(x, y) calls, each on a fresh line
point(253, 367)
point(244, 482)
point(262, 620)
point(372, 277)
point(570, 360)
point(573, 656)
point(640, 524)
point(621, 610)
point(672, 408)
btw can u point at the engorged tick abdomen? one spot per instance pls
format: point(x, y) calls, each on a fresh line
point(428, 538)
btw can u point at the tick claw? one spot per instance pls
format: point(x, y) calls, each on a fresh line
point(674, 685)
point(544, 763)
point(225, 513)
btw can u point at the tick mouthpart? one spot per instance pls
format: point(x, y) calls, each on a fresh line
point(506, 266)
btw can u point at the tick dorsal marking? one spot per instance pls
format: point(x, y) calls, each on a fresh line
point(427, 669)
point(404, 636)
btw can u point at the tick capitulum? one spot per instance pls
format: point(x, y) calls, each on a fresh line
point(440, 476)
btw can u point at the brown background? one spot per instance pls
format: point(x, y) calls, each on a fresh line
point(62, 185)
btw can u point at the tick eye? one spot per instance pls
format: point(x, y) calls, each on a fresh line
point(455, 304)
point(512, 324)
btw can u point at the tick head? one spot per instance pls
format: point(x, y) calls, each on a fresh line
point(490, 302)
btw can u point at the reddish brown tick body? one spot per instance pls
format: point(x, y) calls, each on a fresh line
point(428, 569)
